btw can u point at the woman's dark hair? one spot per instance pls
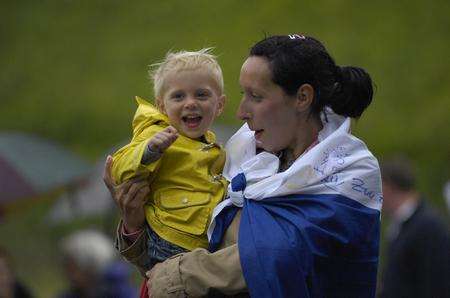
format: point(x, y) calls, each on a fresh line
point(296, 60)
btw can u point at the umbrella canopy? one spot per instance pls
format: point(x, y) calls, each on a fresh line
point(90, 198)
point(30, 166)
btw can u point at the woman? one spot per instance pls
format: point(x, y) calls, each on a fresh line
point(302, 214)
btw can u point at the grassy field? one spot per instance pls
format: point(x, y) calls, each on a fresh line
point(70, 70)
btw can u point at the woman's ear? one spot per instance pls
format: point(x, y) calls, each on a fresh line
point(305, 97)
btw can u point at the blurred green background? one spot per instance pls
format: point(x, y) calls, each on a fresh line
point(70, 70)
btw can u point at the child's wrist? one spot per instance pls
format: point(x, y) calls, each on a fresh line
point(150, 155)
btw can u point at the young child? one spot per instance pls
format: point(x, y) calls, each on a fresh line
point(173, 148)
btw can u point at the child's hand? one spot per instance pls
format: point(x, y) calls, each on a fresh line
point(163, 139)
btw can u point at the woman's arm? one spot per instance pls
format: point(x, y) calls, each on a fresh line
point(201, 273)
point(198, 273)
point(133, 248)
point(131, 239)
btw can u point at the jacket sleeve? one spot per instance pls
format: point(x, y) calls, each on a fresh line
point(134, 252)
point(127, 161)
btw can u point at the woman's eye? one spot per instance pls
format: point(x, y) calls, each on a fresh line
point(255, 96)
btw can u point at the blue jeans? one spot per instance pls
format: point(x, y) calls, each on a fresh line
point(159, 249)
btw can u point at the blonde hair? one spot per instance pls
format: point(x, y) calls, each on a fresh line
point(185, 60)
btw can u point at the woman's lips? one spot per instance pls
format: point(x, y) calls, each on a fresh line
point(258, 134)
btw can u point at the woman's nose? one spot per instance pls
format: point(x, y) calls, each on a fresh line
point(242, 112)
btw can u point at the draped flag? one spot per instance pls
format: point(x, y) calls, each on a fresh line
point(309, 231)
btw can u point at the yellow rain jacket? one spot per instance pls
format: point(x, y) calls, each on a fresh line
point(185, 183)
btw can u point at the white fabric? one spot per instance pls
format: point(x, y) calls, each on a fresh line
point(256, 171)
point(339, 164)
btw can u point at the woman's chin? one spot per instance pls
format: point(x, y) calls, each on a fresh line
point(262, 147)
point(259, 144)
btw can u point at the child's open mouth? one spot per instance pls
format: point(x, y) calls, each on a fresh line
point(192, 121)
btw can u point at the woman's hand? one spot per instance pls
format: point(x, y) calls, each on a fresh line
point(164, 280)
point(129, 196)
point(155, 275)
point(150, 280)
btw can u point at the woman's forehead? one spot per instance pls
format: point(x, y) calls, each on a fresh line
point(256, 72)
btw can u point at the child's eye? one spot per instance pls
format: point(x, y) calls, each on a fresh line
point(177, 96)
point(203, 94)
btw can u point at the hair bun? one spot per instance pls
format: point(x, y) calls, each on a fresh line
point(352, 93)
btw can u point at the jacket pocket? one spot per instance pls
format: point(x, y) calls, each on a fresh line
point(174, 199)
point(186, 211)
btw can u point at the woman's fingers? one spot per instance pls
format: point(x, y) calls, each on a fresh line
point(143, 193)
point(122, 192)
point(136, 194)
point(149, 284)
point(132, 203)
point(124, 188)
point(107, 177)
point(129, 196)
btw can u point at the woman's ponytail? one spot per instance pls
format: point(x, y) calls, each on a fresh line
point(298, 59)
point(352, 92)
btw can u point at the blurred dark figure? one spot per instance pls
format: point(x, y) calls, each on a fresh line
point(117, 281)
point(90, 265)
point(418, 252)
point(10, 287)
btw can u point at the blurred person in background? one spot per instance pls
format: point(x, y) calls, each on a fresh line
point(116, 280)
point(446, 192)
point(418, 252)
point(89, 262)
point(10, 286)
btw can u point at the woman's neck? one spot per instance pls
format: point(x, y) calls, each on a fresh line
point(307, 136)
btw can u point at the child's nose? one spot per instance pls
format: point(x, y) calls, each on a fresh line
point(190, 103)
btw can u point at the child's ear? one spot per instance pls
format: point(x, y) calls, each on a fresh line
point(160, 105)
point(220, 104)
point(305, 97)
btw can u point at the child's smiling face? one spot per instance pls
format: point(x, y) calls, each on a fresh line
point(192, 100)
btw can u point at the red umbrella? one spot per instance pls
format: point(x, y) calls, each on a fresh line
point(12, 184)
